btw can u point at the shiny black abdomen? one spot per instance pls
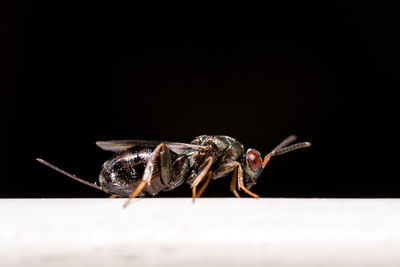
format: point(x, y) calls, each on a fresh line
point(122, 173)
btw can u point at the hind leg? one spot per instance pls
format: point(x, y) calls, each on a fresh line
point(148, 172)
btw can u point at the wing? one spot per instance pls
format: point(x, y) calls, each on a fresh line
point(119, 145)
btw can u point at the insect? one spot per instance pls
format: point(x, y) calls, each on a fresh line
point(141, 167)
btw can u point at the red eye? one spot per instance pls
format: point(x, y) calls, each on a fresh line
point(254, 160)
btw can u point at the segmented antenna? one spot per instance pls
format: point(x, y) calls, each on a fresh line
point(287, 141)
point(70, 175)
point(284, 150)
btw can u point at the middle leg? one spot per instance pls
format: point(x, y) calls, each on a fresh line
point(205, 184)
point(204, 168)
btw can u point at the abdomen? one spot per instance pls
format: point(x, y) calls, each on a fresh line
point(122, 173)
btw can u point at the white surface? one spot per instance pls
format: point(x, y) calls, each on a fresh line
point(211, 232)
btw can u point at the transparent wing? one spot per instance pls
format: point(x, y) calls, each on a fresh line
point(119, 145)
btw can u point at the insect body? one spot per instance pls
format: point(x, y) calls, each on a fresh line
point(142, 168)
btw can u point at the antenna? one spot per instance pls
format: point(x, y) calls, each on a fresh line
point(286, 149)
point(283, 148)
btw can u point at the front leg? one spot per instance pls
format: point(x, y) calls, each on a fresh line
point(227, 168)
point(224, 170)
point(241, 183)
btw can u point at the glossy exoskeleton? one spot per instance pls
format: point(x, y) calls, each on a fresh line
point(142, 167)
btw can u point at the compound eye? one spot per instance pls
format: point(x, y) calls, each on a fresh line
point(254, 160)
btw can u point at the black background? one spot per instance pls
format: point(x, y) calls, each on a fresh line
point(79, 72)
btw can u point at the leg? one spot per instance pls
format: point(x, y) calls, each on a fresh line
point(200, 175)
point(224, 170)
point(240, 181)
point(204, 186)
point(148, 173)
point(233, 183)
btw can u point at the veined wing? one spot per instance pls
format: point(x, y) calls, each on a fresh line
point(119, 145)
